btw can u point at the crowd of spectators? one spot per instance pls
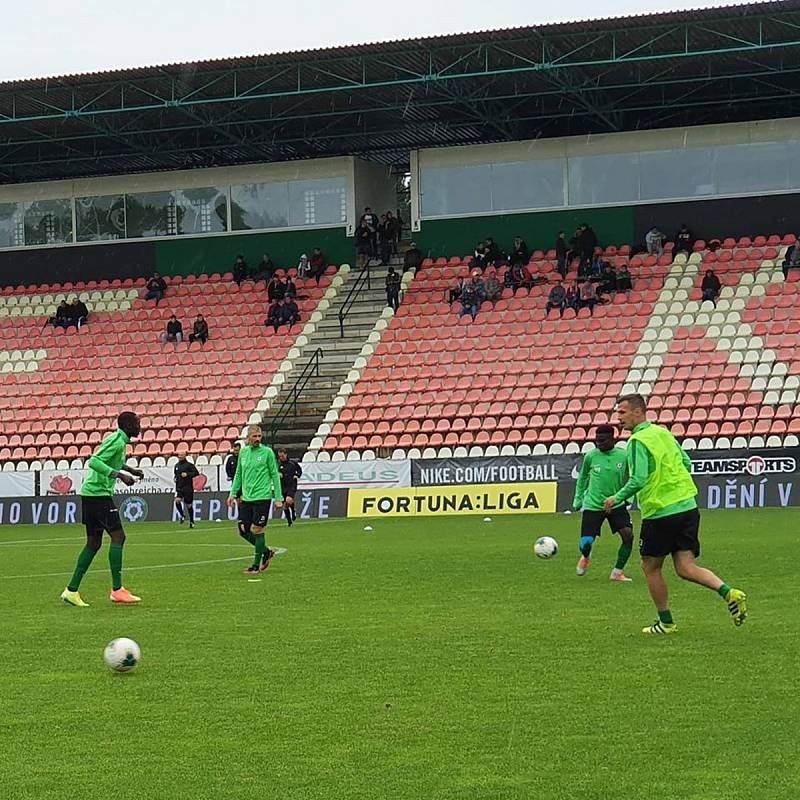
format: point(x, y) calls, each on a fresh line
point(313, 267)
point(377, 238)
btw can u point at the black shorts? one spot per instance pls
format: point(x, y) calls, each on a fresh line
point(254, 514)
point(187, 495)
point(592, 521)
point(100, 514)
point(289, 491)
point(666, 535)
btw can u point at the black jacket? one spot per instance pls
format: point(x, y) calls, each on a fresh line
point(230, 465)
point(290, 471)
point(190, 470)
point(174, 328)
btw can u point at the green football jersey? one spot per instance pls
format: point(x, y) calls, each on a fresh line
point(602, 475)
point(257, 475)
point(110, 457)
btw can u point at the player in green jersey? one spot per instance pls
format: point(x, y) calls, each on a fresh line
point(99, 513)
point(259, 481)
point(603, 474)
point(660, 474)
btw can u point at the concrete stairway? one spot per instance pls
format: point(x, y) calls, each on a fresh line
point(337, 358)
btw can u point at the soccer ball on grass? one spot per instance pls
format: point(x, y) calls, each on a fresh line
point(122, 655)
point(545, 547)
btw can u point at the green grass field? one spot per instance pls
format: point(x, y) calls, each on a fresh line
point(429, 659)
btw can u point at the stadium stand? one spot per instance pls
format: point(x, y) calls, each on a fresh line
point(56, 384)
point(518, 380)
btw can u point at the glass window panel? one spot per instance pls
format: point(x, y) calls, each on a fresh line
point(12, 225)
point(527, 184)
point(150, 214)
point(48, 222)
point(100, 219)
point(793, 158)
point(317, 202)
point(612, 178)
point(259, 205)
point(745, 168)
point(677, 173)
point(202, 210)
point(456, 190)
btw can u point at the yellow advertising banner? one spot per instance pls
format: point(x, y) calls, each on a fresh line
point(429, 501)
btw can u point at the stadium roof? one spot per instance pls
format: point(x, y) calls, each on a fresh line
point(380, 101)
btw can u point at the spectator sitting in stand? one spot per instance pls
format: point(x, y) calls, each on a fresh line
point(492, 252)
point(392, 289)
point(479, 260)
point(608, 280)
point(276, 289)
point(289, 288)
point(264, 270)
point(240, 270)
point(156, 288)
point(174, 332)
point(572, 296)
point(493, 289)
point(317, 264)
point(290, 313)
point(517, 277)
point(275, 315)
point(624, 280)
point(588, 296)
point(78, 312)
point(557, 299)
point(562, 254)
point(199, 330)
point(684, 241)
point(791, 260)
point(413, 258)
point(711, 287)
point(654, 241)
point(472, 295)
point(63, 316)
point(455, 292)
point(520, 254)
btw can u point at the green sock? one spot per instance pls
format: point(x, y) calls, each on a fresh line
point(85, 558)
point(115, 562)
point(723, 591)
point(247, 536)
point(623, 554)
point(665, 617)
point(261, 545)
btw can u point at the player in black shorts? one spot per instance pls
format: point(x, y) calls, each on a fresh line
point(290, 471)
point(185, 473)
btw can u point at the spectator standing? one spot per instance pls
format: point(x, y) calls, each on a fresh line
point(264, 270)
point(562, 250)
point(232, 460)
point(392, 289)
point(479, 258)
point(520, 253)
point(684, 240)
point(393, 226)
point(318, 265)
point(276, 289)
point(624, 282)
point(303, 267)
point(472, 295)
point(557, 299)
point(156, 288)
point(587, 241)
point(371, 221)
point(385, 235)
point(588, 296)
point(240, 269)
point(654, 241)
point(199, 330)
point(363, 238)
point(492, 252)
point(711, 287)
point(412, 258)
point(174, 332)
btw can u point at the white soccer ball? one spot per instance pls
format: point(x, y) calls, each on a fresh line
point(545, 547)
point(122, 655)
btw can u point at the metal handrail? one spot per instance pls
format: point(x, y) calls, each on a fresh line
point(289, 406)
point(355, 289)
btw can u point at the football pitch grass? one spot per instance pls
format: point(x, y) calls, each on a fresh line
point(431, 658)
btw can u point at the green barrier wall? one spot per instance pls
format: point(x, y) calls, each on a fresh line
point(448, 237)
point(217, 253)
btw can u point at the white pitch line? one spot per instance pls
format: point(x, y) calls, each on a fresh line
point(278, 551)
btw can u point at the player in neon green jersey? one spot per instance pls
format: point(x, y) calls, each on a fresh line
point(602, 474)
point(99, 512)
point(660, 474)
point(258, 479)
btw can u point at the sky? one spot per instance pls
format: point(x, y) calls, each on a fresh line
point(51, 37)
